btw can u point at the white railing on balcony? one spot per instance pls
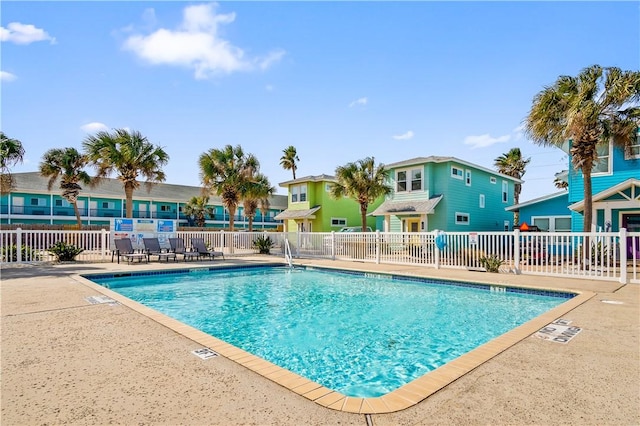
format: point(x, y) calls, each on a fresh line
point(613, 256)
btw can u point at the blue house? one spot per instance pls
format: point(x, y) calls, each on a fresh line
point(445, 193)
point(616, 194)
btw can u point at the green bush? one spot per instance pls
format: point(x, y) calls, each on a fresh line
point(263, 244)
point(10, 253)
point(491, 263)
point(65, 252)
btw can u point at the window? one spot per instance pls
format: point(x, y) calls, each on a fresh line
point(603, 164)
point(62, 203)
point(552, 223)
point(338, 221)
point(327, 187)
point(507, 225)
point(108, 205)
point(481, 203)
point(299, 193)
point(505, 191)
point(416, 180)
point(493, 180)
point(165, 208)
point(467, 177)
point(462, 218)
point(38, 202)
point(456, 172)
point(401, 181)
point(634, 149)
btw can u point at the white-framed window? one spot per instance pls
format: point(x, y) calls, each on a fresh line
point(62, 203)
point(467, 177)
point(327, 187)
point(462, 218)
point(633, 150)
point(505, 191)
point(493, 180)
point(299, 193)
point(108, 205)
point(402, 177)
point(338, 221)
point(456, 172)
point(481, 201)
point(38, 202)
point(552, 223)
point(603, 164)
point(165, 208)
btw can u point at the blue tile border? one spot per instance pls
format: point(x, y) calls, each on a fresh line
point(480, 286)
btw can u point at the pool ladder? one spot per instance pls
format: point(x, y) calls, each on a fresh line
point(287, 253)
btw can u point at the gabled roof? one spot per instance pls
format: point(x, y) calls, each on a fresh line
point(617, 189)
point(548, 197)
point(437, 159)
point(407, 207)
point(318, 178)
point(297, 214)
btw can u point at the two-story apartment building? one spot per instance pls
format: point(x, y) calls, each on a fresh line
point(30, 202)
point(312, 209)
point(445, 193)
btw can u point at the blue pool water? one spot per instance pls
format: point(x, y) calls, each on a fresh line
point(359, 334)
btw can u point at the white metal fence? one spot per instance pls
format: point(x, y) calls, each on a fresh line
point(611, 256)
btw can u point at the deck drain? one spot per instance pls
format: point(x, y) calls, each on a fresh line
point(204, 353)
point(558, 331)
point(96, 300)
point(613, 302)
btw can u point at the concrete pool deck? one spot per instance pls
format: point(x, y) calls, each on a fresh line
point(65, 360)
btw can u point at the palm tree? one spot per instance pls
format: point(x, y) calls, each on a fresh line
point(256, 195)
point(362, 181)
point(11, 153)
point(512, 164)
point(68, 165)
point(227, 172)
point(197, 207)
point(289, 160)
point(560, 181)
point(598, 106)
point(129, 154)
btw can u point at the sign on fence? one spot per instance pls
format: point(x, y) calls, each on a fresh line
point(137, 229)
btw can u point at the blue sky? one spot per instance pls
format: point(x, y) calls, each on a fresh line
point(340, 81)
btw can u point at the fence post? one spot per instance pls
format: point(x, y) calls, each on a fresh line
point(103, 244)
point(436, 250)
point(19, 244)
point(333, 245)
point(377, 246)
point(516, 251)
point(623, 255)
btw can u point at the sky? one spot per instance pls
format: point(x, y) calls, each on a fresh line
point(340, 81)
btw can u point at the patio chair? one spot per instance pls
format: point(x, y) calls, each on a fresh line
point(200, 247)
point(125, 249)
point(152, 247)
point(177, 247)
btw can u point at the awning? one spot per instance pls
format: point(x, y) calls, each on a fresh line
point(297, 214)
point(407, 207)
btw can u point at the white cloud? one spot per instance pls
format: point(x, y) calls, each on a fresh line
point(7, 76)
point(269, 88)
point(519, 132)
point(405, 136)
point(485, 140)
point(361, 101)
point(196, 45)
point(94, 127)
point(19, 33)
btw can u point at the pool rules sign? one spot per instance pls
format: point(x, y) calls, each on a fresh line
point(559, 331)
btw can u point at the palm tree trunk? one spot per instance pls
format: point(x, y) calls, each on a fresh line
point(588, 198)
point(232, 216)
point(128, 193)
point(363, 214)
point(77, 212)
point(250, 223)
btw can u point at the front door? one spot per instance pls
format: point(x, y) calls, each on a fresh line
point(631, 222)
point(413, 225)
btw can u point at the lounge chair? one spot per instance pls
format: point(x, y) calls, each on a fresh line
point(152, 247)
point(125, 249)
point(177, 247)
point(200, 247)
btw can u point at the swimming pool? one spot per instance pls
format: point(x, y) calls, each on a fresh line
point(360, 334)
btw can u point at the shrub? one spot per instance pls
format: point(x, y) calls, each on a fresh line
point(491, 263)
point(10, 253)
point(263, 244)
point(64, 252)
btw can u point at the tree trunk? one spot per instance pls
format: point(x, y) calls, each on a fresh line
point(128, 193)
point(232, 216)
point(77, 212)
point(363, 213)
point(250, 223)
point(588, 199)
